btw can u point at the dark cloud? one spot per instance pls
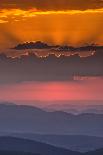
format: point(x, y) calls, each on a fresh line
point(42, 45)
point(31, 68)
point(52, 4)
point(32, 45)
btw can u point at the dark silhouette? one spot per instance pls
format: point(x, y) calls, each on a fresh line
point(73, 142)
point(42, 45)
point(16, 153)
point(18, 144)
point(97, 152)
point(32, 45)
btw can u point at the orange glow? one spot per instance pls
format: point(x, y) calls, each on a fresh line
point(43, 53)
point(73, 27)
point(32, 12)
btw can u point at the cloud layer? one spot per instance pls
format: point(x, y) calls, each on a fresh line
point(32, 68)
point(52, 4)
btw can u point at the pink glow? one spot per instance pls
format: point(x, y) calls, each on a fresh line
point(47, 91)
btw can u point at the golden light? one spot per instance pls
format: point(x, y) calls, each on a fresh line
point(73, 27)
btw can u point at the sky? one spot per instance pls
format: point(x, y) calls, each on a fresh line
point(90, 89)
point(56, 22)
point(29, 78)
point(72, 22)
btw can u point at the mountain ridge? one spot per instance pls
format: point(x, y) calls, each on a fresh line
point(17, 144)
point(17, 118)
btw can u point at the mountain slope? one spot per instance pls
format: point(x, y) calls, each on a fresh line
point(28, 119)
point(15, 153)
point(72, 142)
point(96, 152)
point(17, 144)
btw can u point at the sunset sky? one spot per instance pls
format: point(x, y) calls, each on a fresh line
point(53, 91)
point(30, 78)
point(57, 22)
point(73, 22)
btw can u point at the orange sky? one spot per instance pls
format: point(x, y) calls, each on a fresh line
point(57, 26)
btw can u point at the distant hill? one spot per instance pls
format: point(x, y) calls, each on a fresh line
point(7, 103)
point(16, 153)
point(97, 152)
point(73, 142)
point(77, 107)
point(16, 118)
point(17, 144)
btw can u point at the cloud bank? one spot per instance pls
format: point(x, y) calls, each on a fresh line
point(52, 4)
point(51, 68)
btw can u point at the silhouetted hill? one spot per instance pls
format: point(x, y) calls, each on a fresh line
point(76, 107)
point(17, 144)
point(6, 103)
point(16, 118)
point(73, 142)
point(97, 152)
point(16, 153)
